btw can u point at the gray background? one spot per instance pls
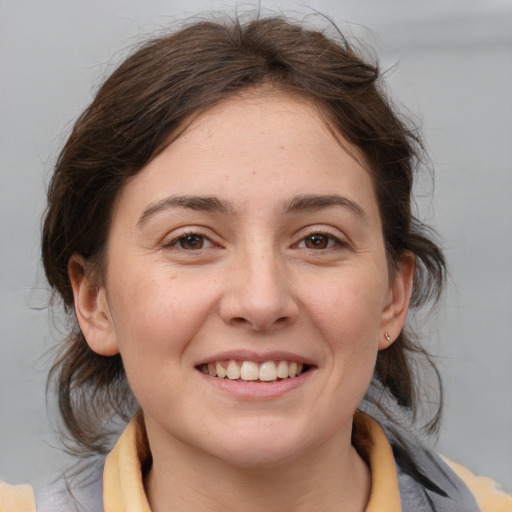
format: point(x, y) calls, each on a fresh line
point(450, 63)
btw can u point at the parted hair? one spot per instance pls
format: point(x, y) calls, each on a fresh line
point(144, 104)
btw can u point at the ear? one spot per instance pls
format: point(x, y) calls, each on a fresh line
point(397, 301)
point(91, 308)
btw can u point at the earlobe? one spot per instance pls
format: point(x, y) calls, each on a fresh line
point(398, 300)
point(91, 308)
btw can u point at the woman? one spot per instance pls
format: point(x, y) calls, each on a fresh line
point(229, 227)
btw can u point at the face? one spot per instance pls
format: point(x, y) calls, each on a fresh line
point(246, 285)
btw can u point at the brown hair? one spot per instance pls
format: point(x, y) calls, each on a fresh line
point(145, 101)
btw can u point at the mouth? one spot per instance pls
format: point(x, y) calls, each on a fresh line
point(252, 371)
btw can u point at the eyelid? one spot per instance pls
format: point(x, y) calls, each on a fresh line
point(171, 240)
point(335, 235)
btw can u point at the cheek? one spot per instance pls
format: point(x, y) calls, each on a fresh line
point(346, 313)
point(348, 306)
point(155, 319)
point(157, 315)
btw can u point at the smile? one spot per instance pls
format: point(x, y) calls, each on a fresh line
point(268, 371)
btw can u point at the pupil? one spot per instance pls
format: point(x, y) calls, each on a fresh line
point(318, 241)
point(192, 242)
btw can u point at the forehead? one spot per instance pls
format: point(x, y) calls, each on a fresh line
point(265, 111)
point(256, 144)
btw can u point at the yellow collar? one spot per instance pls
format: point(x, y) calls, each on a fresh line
point(385, 493)
point(124, 488)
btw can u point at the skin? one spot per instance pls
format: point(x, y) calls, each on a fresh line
point(249, 278)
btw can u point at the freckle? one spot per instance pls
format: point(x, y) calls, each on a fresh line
point(282, 147)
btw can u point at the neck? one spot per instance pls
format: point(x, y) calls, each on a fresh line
point(331, 477)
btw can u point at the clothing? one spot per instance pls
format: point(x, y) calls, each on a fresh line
point(16, 498)
point(394, 489)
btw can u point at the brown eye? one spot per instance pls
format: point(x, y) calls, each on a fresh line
point(317, 241)
point(191, 242)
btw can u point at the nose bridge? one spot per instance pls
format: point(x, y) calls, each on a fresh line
point(259, 296)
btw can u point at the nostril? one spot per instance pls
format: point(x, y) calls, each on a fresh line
point(239, 320)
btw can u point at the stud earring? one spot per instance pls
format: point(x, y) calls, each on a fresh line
point(388, 337)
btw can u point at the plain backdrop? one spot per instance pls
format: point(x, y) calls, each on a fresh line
point(449, 62)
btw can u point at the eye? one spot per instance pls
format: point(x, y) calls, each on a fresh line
point(190, 242)
point(319, 241)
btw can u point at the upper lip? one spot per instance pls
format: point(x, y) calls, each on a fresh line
point(257, 357)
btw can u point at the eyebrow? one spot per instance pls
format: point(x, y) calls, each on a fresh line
point(315, 202)
point(212, 204)
point(197, 203)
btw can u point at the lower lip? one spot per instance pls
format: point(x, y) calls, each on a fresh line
point(251, 390)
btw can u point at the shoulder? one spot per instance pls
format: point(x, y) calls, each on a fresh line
point(81, 493)
point(423, 481)
point(489, 496)
point(86, 497)
point(16, 498)
point(429, 482)
point(445, 484)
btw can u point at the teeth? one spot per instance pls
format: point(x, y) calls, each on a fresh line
point(249, 371)
point(292, 370)
point(268, 371)
point(233, 372)
point(221, 371)
point(282, 370)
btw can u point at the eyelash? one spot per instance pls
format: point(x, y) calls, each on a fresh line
point(331, 239)
point(183, 236)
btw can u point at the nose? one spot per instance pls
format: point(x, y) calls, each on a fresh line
point(258, 294)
